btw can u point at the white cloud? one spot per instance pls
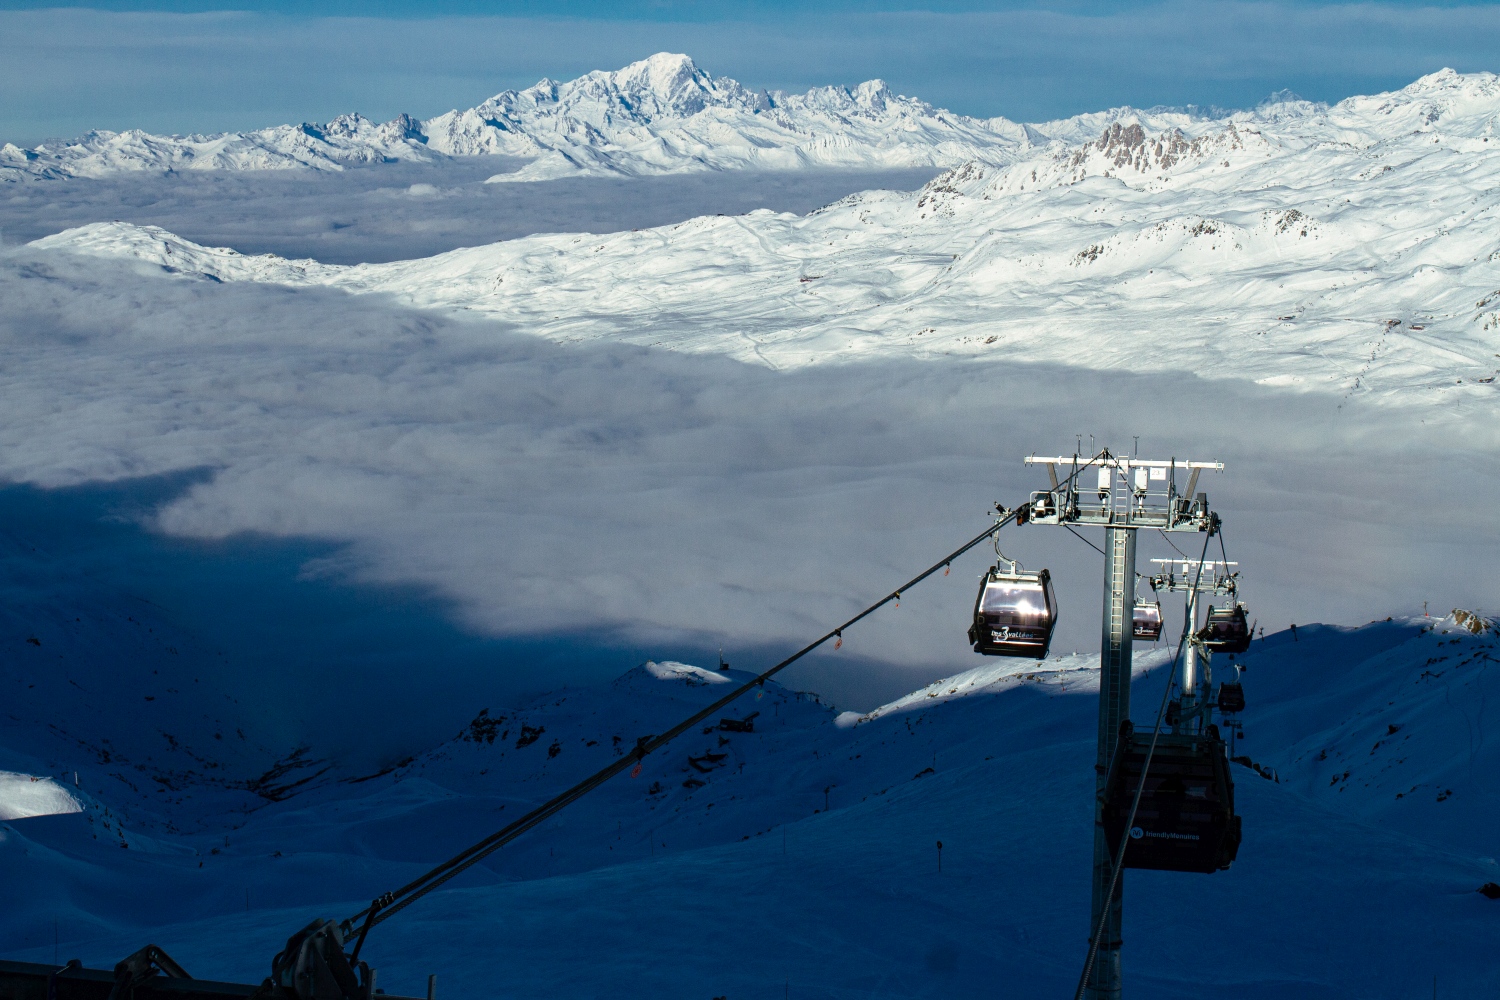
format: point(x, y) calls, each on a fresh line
point(644, 496)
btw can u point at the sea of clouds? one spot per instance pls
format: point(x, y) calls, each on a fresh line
point(668, 504)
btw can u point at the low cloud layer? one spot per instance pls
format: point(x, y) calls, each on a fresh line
point(673, 502)
point(404, 211)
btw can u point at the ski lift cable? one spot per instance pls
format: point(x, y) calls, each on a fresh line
point(1138, 576)
point(384, 907)
point(1168, 539)
point(1119, 863)
point(1085, 541)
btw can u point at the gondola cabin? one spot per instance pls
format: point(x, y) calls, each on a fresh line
point(1145, 622)
point(1185, 821)
point(1014, 614)
point(1226, 630)
point(1231, 698)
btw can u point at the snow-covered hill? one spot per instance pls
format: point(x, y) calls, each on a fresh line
point(657, 116)
point(1353, 249)
point(801, 857)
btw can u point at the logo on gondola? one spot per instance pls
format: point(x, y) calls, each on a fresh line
point(1136, 833)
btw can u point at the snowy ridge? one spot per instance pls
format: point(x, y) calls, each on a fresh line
point(656, 116)
point(1343, 250)
point(665, 115)
point(1075, 673)
point(25, 795)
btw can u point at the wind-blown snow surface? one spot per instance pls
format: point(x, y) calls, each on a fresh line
point(1348, 250)
point(800, 858)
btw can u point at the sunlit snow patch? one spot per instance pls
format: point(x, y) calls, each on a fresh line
point(1075, 673)
point(24, 795)
point(671, 670)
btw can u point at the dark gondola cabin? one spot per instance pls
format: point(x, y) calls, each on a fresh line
point(1145, 622)
point(1226, 630)
point(1186, 820)
point(1014, 614)
point(1231, 698)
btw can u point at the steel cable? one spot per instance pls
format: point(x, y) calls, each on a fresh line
point(384, 907)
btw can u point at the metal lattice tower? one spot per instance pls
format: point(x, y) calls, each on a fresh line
point(1129, 494)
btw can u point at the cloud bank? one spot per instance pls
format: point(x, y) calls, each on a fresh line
point(639, 496)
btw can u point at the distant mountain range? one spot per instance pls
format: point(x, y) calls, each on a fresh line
point(657, 116)
point(1348, 249)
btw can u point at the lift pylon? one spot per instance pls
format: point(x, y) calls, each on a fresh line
point(1128, 493)
point(1184, 575)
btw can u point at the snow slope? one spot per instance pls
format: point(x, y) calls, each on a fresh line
point(801, 858)
point(1346, 250)
point(660, 115)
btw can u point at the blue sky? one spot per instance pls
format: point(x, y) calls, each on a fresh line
point(199, 66)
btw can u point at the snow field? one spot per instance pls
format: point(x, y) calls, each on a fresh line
point(676, 882)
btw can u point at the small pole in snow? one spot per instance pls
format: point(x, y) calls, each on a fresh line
point(432, 986)
point(825, 798)
point(940, 857)
point(1294, 633)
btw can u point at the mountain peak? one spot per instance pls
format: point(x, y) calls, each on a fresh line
point(664, 72)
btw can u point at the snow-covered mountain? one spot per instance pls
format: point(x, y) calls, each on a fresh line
point(660, 115)
point(1349, 249)
point(665, 115)
point(798, 857)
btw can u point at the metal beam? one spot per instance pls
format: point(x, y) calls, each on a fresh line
point(1125, 462)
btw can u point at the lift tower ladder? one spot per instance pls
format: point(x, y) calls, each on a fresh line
point(1127, 494)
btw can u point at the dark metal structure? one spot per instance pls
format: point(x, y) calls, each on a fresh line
point(311, 968)
point(1185, 821)
point(1014, 613)
point(1231, 697)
